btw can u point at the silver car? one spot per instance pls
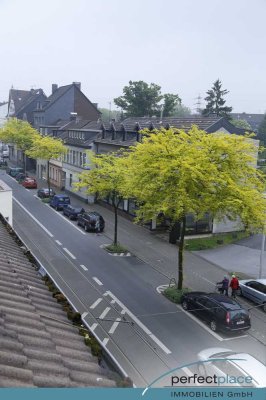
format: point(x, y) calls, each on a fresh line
point(255, 290)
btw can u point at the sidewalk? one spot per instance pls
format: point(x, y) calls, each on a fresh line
point(201, 269)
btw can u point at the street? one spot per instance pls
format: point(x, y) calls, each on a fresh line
point(145, 333)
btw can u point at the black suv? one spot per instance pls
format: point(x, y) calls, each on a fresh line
point(221, 312)
point(72, 212)
point(89, 221)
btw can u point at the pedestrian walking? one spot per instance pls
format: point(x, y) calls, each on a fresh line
point(234, 285)
point(225, 285)
point(97, 226)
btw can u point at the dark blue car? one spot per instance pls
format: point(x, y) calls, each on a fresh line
point(59, 201)
point(72, 212)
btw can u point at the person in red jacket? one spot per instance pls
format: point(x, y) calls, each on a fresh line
point(234, 285)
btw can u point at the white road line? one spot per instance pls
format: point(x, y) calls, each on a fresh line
point(105, 341)
point(69, 253)
point(35, 195)
point(202, 325)
point(104, 313)
point(35, 219)
point(113, 302)
point(140, 324)
point(123, 311)
point(115, 325)
point(84, 315)
point(93, 327)
point(95, 304)
point(235, 337)
point(57, 241)
point(66, 219)
point(97, 281)
point(83, 267)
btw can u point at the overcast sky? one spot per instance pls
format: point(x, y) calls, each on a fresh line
point(181, 45)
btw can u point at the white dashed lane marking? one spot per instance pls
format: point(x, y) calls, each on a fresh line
point(57, 241)
point(83, 267)
point(69, 253)
point(115, 325)
point(95, 304)
point(97, 281)
point(104, 313)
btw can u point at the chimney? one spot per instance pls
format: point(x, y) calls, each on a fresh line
point(54, 87)
point(73, 116)
point(78, 84)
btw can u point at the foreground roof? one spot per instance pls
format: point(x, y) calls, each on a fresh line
point(38, 345)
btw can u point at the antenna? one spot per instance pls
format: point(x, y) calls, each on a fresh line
point(198, 104)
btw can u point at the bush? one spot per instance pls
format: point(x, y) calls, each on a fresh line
point(211, 242)
point(116, 248)
point(46, 200)
point(173, 294)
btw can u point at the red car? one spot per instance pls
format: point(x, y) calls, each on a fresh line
point(29, 183)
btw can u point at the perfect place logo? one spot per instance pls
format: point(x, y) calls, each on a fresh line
point(197, 379)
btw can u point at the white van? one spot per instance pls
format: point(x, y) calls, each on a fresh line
point(228, 365)
point(5, 151)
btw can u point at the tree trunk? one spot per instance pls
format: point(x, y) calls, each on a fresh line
point(181, 253)
point(48, 176)
point(115, 230)
point(24, 162)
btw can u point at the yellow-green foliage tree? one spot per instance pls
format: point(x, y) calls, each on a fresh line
point(176, 172)
point(20, 133)
point(46, 148)
point(107, 179)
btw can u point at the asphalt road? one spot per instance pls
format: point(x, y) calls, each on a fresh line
point(145, 333)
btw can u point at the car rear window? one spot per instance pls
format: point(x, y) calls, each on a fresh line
point(239, 314)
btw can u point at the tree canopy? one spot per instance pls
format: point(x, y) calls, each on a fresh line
point(262, 130)
point(106, 179)
point(241, 123)
point(215, 101)
point(142, 99)
point(46, 148)
point(20, 133)
point(176, 172)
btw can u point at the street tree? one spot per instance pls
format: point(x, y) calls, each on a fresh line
point(175, 172)
point(106, 179)
point(215, 101)
point(20, 133)
point(46, 148)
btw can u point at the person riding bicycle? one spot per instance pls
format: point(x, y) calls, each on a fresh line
point(225, 284)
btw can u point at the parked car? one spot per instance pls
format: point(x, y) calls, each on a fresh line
point(88, 221)
point(29, 183)
point(221, 312)
point(21, 176)
point(59, 201)
point(44, 193)
point(255, 290)
point(13, 171)
point(245, 366)
point(72, 212)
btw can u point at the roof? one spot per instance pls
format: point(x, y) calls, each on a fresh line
point(55, 96)
point(38, 345)
point(133, 125)
point(33, 94)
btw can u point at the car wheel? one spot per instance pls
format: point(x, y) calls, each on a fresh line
point(86, 228)
point(239, 292)
point(264, 307)
point(213, 326)
point(185, 305)
point(57, 209)
point(78, 223)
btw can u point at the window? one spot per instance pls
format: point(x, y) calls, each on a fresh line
point(70, 179)
point(80, 159)
point(74, 157)
point(84, 159)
